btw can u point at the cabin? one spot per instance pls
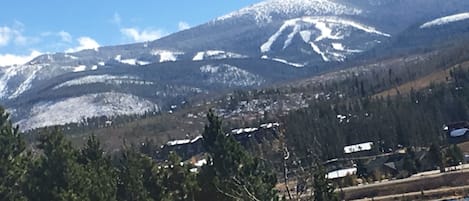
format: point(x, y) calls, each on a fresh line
point(185, 149)
point(341, 173)
point(457, 132)
point(367, 146)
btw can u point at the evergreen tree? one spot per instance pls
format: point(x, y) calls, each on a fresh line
point(179, 182)
point(56, 174)
point(323, 188)
point(135, 173)
point(233, 174)
point(13, 160)
point(436, 156)
point(454, 155)
point(99, 171)
point(410, 164)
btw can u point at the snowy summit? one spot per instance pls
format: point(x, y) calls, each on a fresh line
point(263, 12)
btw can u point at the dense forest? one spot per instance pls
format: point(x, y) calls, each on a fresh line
point(404, 120)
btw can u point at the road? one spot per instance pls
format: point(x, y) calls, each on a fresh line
point(418, 176)
point(416, 194)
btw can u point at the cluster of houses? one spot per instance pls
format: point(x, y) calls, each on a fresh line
point(362, 162)
point(192, 150)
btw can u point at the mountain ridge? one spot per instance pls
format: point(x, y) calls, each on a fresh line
point(234, 51)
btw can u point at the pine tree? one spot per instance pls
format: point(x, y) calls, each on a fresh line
point(99, 171)
point(323, 188)
point(436, 156)
point(179, 182)
point(454, 155)
point(56, 174)
point(233, 174)
point(13, 160)
point(134, 174)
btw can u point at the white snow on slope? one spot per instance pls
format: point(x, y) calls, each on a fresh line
point(283, 61)
point(133, 62)
point(7, 75)
point(446, 20)
point(91, 79)
point(79, 68)
point(26, 84)
point(70, 57)
point(324, 28)
point(319, 51)
point(17, 79)
point(199, 56)
point(338, 46)
point(209, 69)
point(263, 12)
point(287, 62)
point(92, 105)
point(230, 75)
point(216, 54)
point(166, 56)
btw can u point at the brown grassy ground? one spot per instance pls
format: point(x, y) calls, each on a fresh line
point(445, 180)
point(438, 77)
point(464, 147)
point(160, 129)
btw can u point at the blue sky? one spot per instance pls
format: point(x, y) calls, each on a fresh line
point(29, 28)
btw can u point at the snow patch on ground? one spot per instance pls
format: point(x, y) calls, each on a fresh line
point(209, 69)
point(230, 75)
point(70, 57)
point(338, 46)
point(133, 62)
point(305, 35)
point(75, 109)
point(325, 30)
point(446, 20)
point(166, 56)
point(283, 61)
point(79, 68)
point(129, 61)
point(107, 79)
point(199, 56)
point(287, 62)
point(215, 54)
point(318, 51)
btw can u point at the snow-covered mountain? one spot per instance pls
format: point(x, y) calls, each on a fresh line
point(265, 43)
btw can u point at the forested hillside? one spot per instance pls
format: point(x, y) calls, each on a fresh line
point(414, 119)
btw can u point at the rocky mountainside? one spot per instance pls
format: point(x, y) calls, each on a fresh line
point(266, 43)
